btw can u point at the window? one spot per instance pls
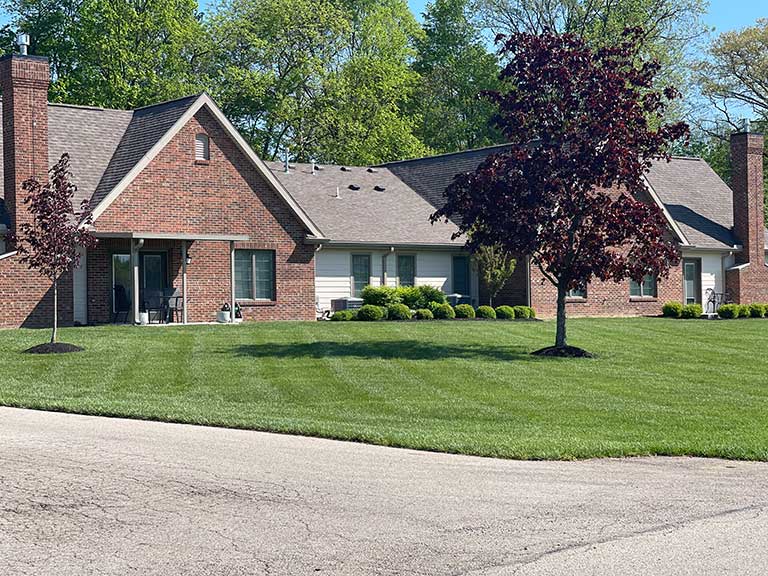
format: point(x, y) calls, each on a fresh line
point(644, 289)
point(361, 273)
point(254, 274)
point(202, 147)
point(461, 275)
point(406, 269)
point(122, 282)
point(576, 293)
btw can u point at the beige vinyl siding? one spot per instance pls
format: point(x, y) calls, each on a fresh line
point(333, 271)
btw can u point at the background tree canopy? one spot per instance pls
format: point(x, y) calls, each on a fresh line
point(364, 81)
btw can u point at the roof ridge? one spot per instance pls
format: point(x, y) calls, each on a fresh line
point(171, 101)
point(88, 107)
point(444, 154)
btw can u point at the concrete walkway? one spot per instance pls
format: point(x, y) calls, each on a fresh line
point(82, 495)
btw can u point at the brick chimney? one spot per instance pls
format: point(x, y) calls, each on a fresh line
point(24, 82)
point(748, 196)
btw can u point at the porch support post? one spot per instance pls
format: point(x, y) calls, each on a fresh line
point(135, 276)
point(232, 281)
point(184, 281)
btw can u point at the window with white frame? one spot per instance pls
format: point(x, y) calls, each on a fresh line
point(255, 275)
point(202, 147)
point(406, 269)
point(577, 293)
point(645, 289)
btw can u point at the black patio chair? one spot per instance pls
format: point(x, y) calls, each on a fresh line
point(122, 304)
point(154, 305)
point(174, 303)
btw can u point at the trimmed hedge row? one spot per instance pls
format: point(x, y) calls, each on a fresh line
point(726, 311)
point(436, 311)
point(732, 311)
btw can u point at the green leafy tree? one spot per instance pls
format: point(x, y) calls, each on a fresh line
point(116, 53)
point(369, 93)
point(455, 67)
point(672, 28)
point(328, 79)
point(496, 267)
point(271, 67)
point(734, 77)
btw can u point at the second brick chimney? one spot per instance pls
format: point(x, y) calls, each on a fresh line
point(748, 196)
point(24, 81)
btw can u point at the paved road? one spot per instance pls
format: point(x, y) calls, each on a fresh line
point(82, 495)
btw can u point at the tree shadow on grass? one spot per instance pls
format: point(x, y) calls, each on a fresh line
point(388, 349)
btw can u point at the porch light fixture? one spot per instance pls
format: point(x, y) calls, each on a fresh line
point(189, 259)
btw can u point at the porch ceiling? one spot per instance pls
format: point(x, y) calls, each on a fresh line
point(174, 236)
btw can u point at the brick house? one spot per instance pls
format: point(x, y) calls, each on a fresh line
point(720, 232)
point(182, 203)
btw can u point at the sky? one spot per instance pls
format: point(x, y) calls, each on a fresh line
point(723, 14)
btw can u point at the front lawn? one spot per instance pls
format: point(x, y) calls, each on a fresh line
point(658, 386)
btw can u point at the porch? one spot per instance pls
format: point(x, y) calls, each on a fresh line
point(127, 272)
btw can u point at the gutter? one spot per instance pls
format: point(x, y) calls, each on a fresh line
point(7, 255)
point(387, 245)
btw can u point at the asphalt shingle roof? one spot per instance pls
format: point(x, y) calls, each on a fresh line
point(395, 215)
point(147, 126)
point(697, 199)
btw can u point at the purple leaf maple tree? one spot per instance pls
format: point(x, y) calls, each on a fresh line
point(584, 126)
point(49, 244)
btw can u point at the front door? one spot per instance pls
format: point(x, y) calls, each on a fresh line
point(692, 280)
point(153, 276)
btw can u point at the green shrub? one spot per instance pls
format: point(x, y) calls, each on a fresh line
point(728, 311)
point(531, 312)
point(431, 294)
point(370, 313)
point(757, 310)
point(692, 311)
point(424, 314)
point(410, 296)
point(522, 312)
point(486, 312)
point(398, 312)
point(464, 311)
point(433, 306)
point(744, 311)
point(505, 313)
point(343, 315)
point(672, 309)
point(380, 296)
point(444, 312)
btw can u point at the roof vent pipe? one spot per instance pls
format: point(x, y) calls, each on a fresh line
point(22, 40)
point(338, 192)
point(745, 125)
point(287, 166)
point(313, 167)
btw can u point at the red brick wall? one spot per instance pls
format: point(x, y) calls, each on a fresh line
point(605, 298)
point(514, 292)
point(26, 298)
point(24, 83)
point(750, 283)
point(227, 195)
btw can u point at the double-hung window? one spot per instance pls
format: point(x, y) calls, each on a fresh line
point(406, 269)
point(644, 289)
point(361, 273)
point(255, 274)
point(461, 275)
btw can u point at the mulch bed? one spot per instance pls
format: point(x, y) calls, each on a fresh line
point(55, 348)
point(563, 352)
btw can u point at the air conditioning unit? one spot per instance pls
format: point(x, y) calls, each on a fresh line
point(346, 303)
point(456, 299)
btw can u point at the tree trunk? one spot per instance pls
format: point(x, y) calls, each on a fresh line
point(560, 338)
point(55, 309)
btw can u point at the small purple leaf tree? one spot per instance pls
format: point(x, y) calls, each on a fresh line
point(49, 244)
point(584, 126)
